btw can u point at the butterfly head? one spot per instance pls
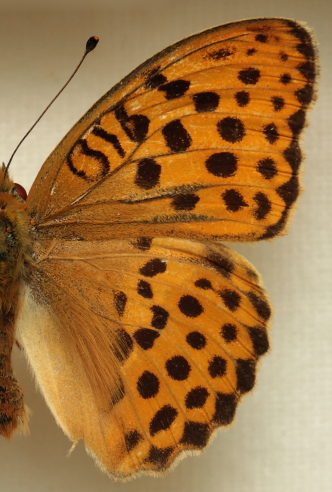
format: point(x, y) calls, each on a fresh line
point(13, 230)
point(8, 187)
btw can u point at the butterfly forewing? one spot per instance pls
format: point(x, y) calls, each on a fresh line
point(204, 135)
point(142, 329)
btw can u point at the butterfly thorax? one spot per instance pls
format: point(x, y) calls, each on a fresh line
point(13, 249)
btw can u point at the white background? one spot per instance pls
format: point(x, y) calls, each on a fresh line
point(282, 437)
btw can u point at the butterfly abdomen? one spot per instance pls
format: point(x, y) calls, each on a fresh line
point(12, 411)
point(13, 248)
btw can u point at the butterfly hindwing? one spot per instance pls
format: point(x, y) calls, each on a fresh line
point(172, 359)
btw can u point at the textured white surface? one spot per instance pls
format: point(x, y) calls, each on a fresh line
point(282, 437)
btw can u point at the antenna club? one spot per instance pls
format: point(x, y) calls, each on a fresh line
point(91, 43)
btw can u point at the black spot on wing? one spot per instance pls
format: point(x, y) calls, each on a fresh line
point(195, 434)
point(206, 101)
point(143, 243)
point(163, 419)
point(190, 306)
point(136, 126)
point(176, 136)
point(296, 122)
point(261, 38)
point(178, 368)
point(289, 191)
point(231, 299)
point(221, 53)
point(249, 76)
point(147, 173)
point(285, 78)
point(225, 408)
point(267, 168)
point(120, 301)
point(159, 318)
point(109, 137)
point(305, 94)
point(217, 367)
point(144, 289)
point(246, 374)
point(308, 70)
point(185, 201)
point(271, 133)
point(234, 200)
point(153, 268)
point(261, 306)
point(123, 344)
point(259, 340)
point(175, 89)
point(155, 79)
point(100, 157)
point(132, 439)
point(293, 155)
point(231, 129)
point(222, 164)
point(229, 332)
point(148, 385)
point(283, 56)
point(196, 340)
point(242, 98)
point(278, 103)
point(145, 337)
point(196, 398)
point(264, 205)
point(203, 283)
point(159, 456)
point(221, 263)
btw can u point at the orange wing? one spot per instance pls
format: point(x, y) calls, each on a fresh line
point(203, 135)
point(143, 340)
point(143, 349)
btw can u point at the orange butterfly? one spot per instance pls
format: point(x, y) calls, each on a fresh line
point(142, 329)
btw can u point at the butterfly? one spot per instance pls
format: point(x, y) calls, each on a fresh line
point(142, 329)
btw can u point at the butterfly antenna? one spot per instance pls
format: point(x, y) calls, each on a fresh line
point(90, 45)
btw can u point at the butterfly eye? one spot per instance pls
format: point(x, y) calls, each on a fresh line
point(20, 191)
